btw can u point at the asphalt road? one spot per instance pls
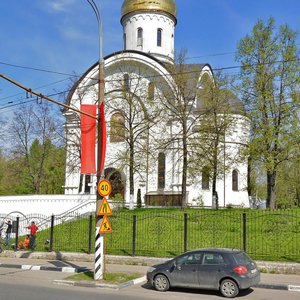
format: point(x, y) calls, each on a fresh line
point(38, 285)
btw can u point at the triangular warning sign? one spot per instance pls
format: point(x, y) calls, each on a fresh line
point(105, 225)
point(104, 208)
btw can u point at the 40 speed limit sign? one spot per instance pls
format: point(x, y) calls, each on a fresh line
point(104, 188)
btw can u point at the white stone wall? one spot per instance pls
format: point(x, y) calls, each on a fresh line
point(47, 204)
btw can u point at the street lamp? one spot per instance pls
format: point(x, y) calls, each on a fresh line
point(99, 238)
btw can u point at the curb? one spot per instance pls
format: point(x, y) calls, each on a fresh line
point(44, 268)
point(283, 287)
point(100, 285)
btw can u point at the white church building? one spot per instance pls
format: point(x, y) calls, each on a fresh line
point(144, 152)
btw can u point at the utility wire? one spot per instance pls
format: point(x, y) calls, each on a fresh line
point(174, 74)
point(41, 96)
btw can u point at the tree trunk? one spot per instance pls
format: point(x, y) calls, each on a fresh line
point(215, 198)
point(271, 189)
point(184, 173)
point(131, 174)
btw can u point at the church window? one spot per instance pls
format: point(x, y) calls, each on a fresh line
point(151, 91)
point(126, 83)
point(235, 180)
point(159, 37)
point(117, 128)
point(87, 185)
point(161, 170)
point(140, 36)
point(205, 178)
point(124, 41)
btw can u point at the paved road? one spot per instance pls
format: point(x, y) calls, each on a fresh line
point(37, 285)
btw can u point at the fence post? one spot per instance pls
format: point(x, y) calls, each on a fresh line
point(51, 233)
point(17, 234)
point(185, 232)
point(133, 235)
point(90, 234)
point(244, 231)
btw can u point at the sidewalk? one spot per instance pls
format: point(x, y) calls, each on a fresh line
point(75, 262)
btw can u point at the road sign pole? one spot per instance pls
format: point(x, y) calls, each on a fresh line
point(99, 255)
point(103, 226)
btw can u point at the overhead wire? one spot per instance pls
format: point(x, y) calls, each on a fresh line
point(121, 80)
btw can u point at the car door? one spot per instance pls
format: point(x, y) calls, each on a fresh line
point(211, 270)
point(185, 271)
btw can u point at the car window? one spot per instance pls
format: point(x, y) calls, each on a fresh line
point(213, 259)
point(242, 258)
point(190, 259)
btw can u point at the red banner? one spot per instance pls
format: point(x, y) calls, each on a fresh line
point(88, 139)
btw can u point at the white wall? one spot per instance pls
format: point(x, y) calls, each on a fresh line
point(47, 204)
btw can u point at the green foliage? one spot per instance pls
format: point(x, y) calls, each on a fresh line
point(16, 178)
point(269, 84)
point(36, 162)
point(118, 201)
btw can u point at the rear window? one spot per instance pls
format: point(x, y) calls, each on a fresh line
point(242, 258)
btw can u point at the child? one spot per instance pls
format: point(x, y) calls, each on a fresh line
point(24, 244)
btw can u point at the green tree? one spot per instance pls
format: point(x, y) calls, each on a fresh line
point(215, 146)
point(269, 85)
point(33, 133)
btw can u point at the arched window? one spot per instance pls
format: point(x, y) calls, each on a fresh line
point(159, 37)
point(151, 91)
point(140, 37)
point(161, 170)
point(117, 128)
point(124, 41)
point(205, 178)
point(235, 180)
point(126, 83)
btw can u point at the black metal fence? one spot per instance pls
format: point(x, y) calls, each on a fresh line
point(263, 234)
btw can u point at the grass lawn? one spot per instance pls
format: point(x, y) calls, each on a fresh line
point(267, 235)
point(111, 278)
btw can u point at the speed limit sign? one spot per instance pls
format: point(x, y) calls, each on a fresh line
point(104, 188)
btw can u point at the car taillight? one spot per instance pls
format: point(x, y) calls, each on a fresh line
point(240, 270)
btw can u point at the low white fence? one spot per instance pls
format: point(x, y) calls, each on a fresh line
point(47, 205)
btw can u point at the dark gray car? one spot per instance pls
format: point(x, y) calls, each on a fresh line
point(226, 270)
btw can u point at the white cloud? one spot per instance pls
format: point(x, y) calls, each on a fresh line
point(60, 5)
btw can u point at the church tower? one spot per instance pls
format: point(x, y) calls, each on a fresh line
point(149, 26)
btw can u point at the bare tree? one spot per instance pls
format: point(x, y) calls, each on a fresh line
point(33, 130)
point(133, 114)
point(179, 102)
point(214, 145)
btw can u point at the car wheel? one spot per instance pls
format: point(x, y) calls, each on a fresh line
point(229, 288)
point(161, 283)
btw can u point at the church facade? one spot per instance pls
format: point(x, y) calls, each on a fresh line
point(156, 142)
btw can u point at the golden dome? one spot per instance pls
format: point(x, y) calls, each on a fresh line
point(168, 6)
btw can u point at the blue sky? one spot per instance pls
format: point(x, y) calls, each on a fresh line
point(61, 36)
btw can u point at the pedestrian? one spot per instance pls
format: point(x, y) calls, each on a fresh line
point(33, 229)
point(8, 233)
point(24, 244)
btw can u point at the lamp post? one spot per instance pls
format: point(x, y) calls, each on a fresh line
point(99, 238)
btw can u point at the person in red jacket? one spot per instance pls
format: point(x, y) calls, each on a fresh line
point(33, 229)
